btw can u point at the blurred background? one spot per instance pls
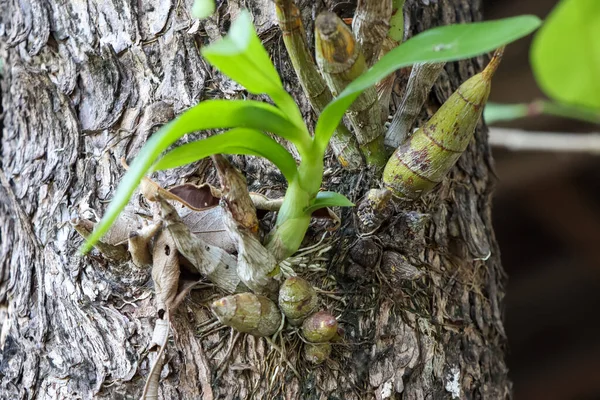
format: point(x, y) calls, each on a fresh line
point(547, 221)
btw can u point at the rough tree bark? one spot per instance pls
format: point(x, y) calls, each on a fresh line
point(84, 84)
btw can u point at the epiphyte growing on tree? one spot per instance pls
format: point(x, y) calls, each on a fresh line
point(241, 56)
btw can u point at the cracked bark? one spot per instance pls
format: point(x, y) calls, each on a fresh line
point(86, 83)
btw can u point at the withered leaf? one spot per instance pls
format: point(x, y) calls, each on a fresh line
point(138, 245)
point(197, 197)
point(211, 261)
point(209, 225)
point(165, 270)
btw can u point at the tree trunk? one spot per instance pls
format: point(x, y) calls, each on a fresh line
point(85, 84)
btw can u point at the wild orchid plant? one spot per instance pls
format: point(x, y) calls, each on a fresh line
point(241, 56)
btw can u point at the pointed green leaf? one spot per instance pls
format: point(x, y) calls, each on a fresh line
point(235, 141)
point(565, 53)
point(328, 199)
point(210, 114)
point(446, 43)
point(241, 56)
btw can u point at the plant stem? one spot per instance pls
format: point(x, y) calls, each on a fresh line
point(422, 78)
point(292, 223)
point(343, 142)
point(293, 219)
point(567, 111)
point(370, 25)
point(514, 139)
point(396, 31)
point(341, 61)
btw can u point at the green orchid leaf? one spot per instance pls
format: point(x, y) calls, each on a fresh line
point(328, 199)
point(210, 114)
point(565, 53)
point(203, 8)
point(235, 141)
point(446, 43)
point(241, 56)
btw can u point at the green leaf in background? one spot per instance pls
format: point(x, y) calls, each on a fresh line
point(203, 8)
point(235, 141)
point(241, 56)
point(210, 114)
point(328, 199)
point(446, 43)
point(565, 54)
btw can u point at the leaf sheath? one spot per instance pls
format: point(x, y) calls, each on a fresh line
point(370, 25)
point(421, 80)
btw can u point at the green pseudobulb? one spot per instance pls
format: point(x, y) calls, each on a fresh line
point(424, 159)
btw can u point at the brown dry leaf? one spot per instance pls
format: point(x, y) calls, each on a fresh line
point(200, 212)
point(127, 221)
point(114, 243)
point(197, 197)
point(159, 338)
point(138, 245)
point(209, 225)
point(327, 213)
point(205, 198)
point(202, 197)
point(255, 262)
point(165, 270)
point(211, 261)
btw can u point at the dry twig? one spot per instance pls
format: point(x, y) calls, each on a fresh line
point(515, 139)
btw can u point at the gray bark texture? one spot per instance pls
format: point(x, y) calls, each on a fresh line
point(85, 83)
